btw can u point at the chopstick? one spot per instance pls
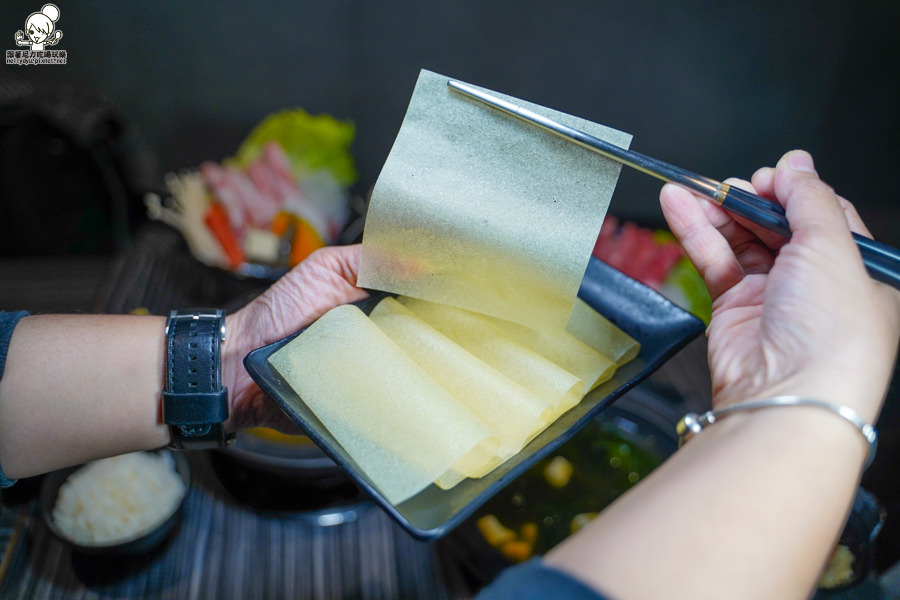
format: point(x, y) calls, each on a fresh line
point(882, 261)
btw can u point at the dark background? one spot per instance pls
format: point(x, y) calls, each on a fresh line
point(720, 88)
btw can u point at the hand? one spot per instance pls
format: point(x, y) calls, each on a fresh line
point(790, 317)
point(327, 278)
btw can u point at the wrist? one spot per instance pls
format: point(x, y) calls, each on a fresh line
point(817, 441)
point(693, 423)
point(248, 404)
point(864, 398)
point(243, 393)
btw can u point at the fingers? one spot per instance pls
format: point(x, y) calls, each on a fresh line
point(764, 182)
point(811, 206)
point(340, 260)
point(853, 219)
point(327, 278)
point(702, 242)
point(750, 230)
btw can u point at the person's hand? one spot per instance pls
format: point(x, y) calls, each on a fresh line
point(790, 317)
point(327, 278)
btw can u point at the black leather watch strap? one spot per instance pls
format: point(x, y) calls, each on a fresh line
point(195, 403)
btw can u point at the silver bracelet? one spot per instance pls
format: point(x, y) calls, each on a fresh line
point(692, 423)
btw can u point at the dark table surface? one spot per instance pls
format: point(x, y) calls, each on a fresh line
point(229, 544)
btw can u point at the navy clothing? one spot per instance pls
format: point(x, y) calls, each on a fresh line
point(8, 322)
point(533, 580)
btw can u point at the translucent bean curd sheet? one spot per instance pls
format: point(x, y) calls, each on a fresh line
point(510, 411)
point(381, 406)
point(478, 210)
point(559, 389)
point(598, 332)
point(564, 349)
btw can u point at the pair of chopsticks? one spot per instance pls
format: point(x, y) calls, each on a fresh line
point(882, 261)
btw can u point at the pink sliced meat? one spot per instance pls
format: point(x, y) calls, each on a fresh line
point(294, 199)
point(218, 181)
point(273, 155)
point(266, 200)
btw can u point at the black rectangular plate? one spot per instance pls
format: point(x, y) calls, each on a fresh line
point(661, 327)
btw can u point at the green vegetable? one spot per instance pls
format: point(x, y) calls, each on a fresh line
point(686, 288)
point(312, 143)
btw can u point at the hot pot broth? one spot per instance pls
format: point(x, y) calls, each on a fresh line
point(548, 503)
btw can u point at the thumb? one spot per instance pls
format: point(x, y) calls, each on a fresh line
point(810, 204)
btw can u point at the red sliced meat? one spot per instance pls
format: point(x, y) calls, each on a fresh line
point(605, 240)
point(634, 251)
point(657, 269)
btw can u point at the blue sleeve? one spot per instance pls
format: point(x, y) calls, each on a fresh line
point(8, 322)
point(533, 580)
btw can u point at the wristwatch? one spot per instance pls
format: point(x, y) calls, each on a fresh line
point(195, 404)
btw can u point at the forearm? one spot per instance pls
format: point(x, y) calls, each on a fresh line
point(80, 387)
point(711, 522)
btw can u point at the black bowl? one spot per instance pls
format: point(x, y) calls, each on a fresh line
point(284, 460)
point(863, 526)
point(294, 480)
point(139, 545)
